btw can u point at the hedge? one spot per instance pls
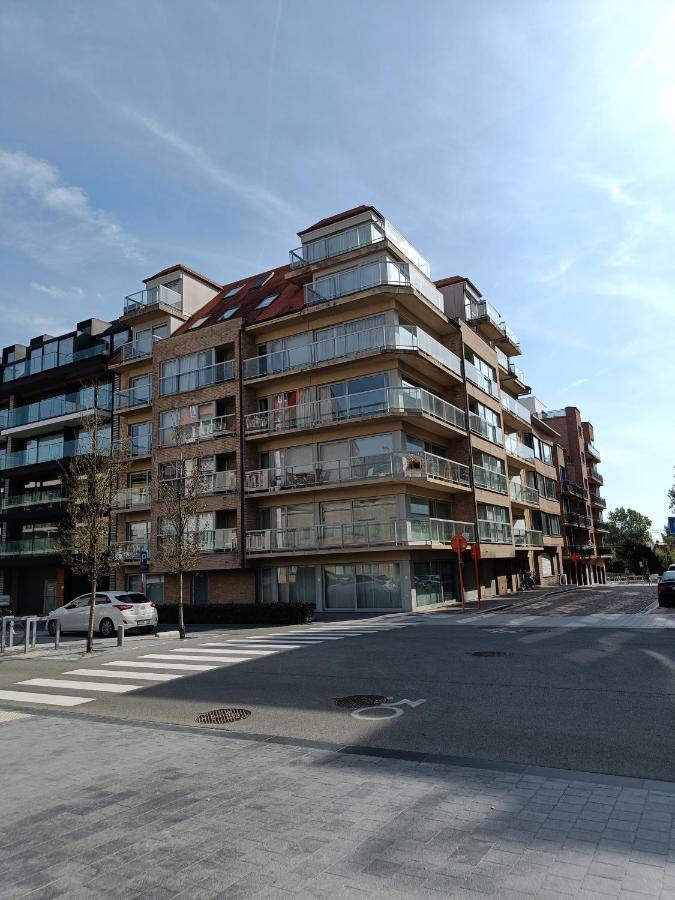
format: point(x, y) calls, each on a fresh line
point(238, 614)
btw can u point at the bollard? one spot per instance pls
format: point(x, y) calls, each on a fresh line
point(33, 637)
point(11, 632)
point(26, 634)
point(57, 635)
point(120, 636)
point(2, 635)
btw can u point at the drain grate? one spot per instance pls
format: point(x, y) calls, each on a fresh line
point(356, 701)
point(222, 716)
point(489, 653)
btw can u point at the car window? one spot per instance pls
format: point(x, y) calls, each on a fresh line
point(102, 599)
point(132, 598)
point(668, 576)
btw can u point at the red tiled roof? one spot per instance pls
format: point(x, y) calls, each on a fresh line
point(246, 300)
point(179, 267)
point(347, 214)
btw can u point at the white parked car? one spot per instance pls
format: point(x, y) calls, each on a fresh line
point(112, 609)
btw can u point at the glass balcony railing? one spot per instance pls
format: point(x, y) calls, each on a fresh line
point(515, 408)
point(128, 551)
point(43, 497)
point(139, 348)
point(475, 376)
point(382, 273)
point(522, 493)
point(224, 482)
point(594, 475)
point(494, 532)
point(53, 407)
point(517, 448)
point(197, 378)
point(47, 452)
point(133, 447)
point(398, 400)
point(486, 429)
point(216, 540)
point(339, 471)
point(132, 498)
point(395, 532)
point(36, 546)
point(203, 430)
point(475, 311)
point(49, 361)
point(386, 337)
point(141, 395)
point(524, 538)
point(592, 451)
point(489, 480)
point(153, 297)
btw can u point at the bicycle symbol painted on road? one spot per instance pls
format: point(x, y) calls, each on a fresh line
point(386, 710)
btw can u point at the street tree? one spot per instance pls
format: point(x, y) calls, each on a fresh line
point(671, 498)
point(629, 527)
point(179, 502)
point(90, 480)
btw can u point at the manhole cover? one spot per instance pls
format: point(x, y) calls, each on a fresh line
point(356, 701)
point(489, 653)
point(222, 716)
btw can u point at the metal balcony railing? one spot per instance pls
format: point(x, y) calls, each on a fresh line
point(475, 376)
point(490, 480)
point(203, 430)
point(426, 466)
point(576, 520)
point(153, 297)
point(528, 538)
point(224, 482)
point(53, 407)
point(128, 551)
point(48, 452)
point(592, 451)
point(133, 397)
point(597, 500)
point(517, 448)
point(132, 498)
point(398, 400)
point(183, 382)
point(37, 546)
point(43, 497)
point(484, 310)
point(396, 532)
point(486, 429)
point(138, 348)
point(385, 337)
point(49, 361)
point(133, 447)
point(522, 493)
point(216, 540)
point(515, 408)
point(494, 532)
point(382, 273)
point(576, 490)
point(594, 475)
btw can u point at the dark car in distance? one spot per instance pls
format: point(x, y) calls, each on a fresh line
point(666, 589)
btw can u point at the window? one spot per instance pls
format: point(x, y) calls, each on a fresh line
point(229, 313)
point(267, 301)
point(362, 586)
point(141, 438)
point(198, 323)
point(232, 292)
point(260, 281)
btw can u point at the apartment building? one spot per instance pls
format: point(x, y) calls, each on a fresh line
point(149, 316)
point(582, 505)
point(45, 389)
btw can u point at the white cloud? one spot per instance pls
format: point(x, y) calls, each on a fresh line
point(615, 188)
point(561, 269)
point(38, 180)
point(52, 290)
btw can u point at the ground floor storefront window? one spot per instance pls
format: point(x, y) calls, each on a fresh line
point(362, 586)
point(288, 584)
point(434, 582)
point(154, 586)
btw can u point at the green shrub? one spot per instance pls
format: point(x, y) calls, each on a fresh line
point(238, 614)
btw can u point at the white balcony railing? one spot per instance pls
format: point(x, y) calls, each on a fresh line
point(475, 376)
point(386, 337)
point(425, 466)
point(515, 408)
point(490, 480)
point(484, 310)
point(486, 429)
point(494, 532)
point(385, 272)
point(522, 493)
point(153, 297)
point(203, 430)
point(138, 348)
point(517, 448)
point(528, 538)
point(396, 532)
point(399, 400)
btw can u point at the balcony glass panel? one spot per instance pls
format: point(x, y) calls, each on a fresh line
point(62, 405)
point(203, 430)
point(517, 448)
point(38, 497)
point(48, 452)
point(132, 498)
point(526, 538)
point(30, 546)
point(486, 429)
point(197, 378)
point(137, 349)
point(153, 297)
point(49, 361)
point(494, 532)
point(361, 278)
point(480, 380)
point(489, 479)
point(128, 551)
point(139, 395)
point(521, 493)
point(517, 409)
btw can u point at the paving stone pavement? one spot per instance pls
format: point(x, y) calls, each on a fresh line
point(95, 808)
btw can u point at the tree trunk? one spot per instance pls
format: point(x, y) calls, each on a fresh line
point(90, 626)
point(181, 622)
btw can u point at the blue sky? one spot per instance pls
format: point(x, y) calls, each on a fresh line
point(528, 145)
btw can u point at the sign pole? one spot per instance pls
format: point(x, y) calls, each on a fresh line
point(459, 544)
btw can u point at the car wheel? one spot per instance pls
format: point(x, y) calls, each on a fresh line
point(51, 627)
point(107, 628)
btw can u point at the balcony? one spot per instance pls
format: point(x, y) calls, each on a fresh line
point(133, 398)
point(585, 550)
point(600, 525)
point(475, 376)
point(577, 521)
point(382, 273)
point(516, 448)
point(47, 452)
point(523, 494)
point(490, 480)
point(138, 349)
point(490, 322)
point(592, 452)
point(128, 551)
point(480, 426)
point(50, 361)
point(417, 466)
point(156, 296)
point(605, 550)
point(383, 401)
point(37, 546)
point(203, 430)
point(576, 490)
point(395, 532)
point(197, 378)
point(132, 448)
point(524, 538)
point(594, 475)
point(494, 532)
point(132, 498)
point(46, 415)
point(597, 500)
point(44, 497)
point(407, 339)
point(216, 540)
point(516, 409)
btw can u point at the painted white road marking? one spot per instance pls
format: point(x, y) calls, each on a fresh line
point(183, 667)
point(394, 709)
point(7, 715)
point(140, 676)
point(81, 685)
point(46, 699)
point(186, 657)
point(215, 650)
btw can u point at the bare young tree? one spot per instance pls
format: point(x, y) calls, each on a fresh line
point(179, 502)
point(90, 479)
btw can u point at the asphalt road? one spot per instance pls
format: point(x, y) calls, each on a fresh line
point(597, 700)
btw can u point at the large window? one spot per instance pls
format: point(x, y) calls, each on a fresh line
point(141, 438)
point(434, 582)
point(288, 584)
point(196, 370)
point(362, 586)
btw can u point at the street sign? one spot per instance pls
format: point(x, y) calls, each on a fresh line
point(671, 525)
point(143, 557)
point(459, 543)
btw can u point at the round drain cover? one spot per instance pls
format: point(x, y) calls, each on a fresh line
point(222, 716)
point(489, 653)
point(356, 701)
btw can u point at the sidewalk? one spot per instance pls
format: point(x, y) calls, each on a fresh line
point(215, 815)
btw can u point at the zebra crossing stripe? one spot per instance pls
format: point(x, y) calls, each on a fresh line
point(218, 659)
point(81, 685)
point(181, 667)
point(213, 649)
point(140, 676)
point(45, 699)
